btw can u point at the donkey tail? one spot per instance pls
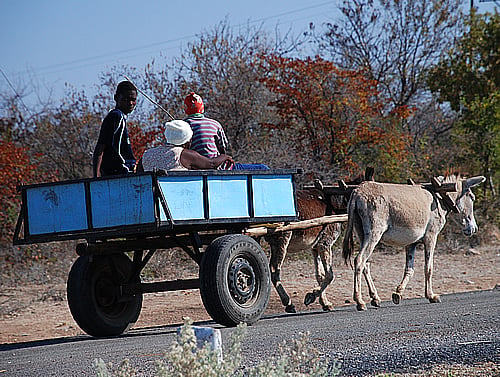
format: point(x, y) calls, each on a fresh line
point(348, 244)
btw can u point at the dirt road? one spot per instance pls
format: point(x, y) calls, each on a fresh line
point(40, 312)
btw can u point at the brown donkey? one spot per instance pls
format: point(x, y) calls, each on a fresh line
point(311, 203)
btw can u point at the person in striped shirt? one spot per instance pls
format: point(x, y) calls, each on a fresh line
point(209, 138)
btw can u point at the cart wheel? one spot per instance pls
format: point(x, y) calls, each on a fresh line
point(235, 283)
point(93, 298)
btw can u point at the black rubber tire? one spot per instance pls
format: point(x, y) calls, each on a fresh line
point(93, 299)
point(235, 282)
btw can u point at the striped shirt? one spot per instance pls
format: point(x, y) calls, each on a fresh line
point(209, 138)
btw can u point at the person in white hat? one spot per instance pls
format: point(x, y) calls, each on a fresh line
point(175, 153)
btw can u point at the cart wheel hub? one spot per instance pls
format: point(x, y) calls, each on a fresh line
point(241, 280)
point(104, 292)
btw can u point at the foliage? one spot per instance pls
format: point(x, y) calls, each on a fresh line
point(297, 359)
point(186, 360)
point(394, 41)
point(479, 131)
point(335, 116)
point(471, 69)
point(222, 66)
point(296, 112)
point(468, 78)
point(16, 167)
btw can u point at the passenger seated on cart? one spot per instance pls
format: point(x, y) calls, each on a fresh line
point(209, 138)
point(113, 153)
point(175, 153)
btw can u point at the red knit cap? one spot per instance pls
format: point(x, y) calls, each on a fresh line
point(194, 104)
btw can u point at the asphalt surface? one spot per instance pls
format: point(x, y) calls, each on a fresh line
point(415, 335)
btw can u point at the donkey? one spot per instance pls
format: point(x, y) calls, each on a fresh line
point(403, 215)
point(311, 203)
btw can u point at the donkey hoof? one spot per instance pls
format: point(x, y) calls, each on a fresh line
point(396, 298)
point(309, 299)
point(361, 307)
point(290, 309)
point(375, 303)
point(435, 299)
point(328, 308)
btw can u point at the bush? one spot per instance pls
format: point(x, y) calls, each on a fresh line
point(185, 360)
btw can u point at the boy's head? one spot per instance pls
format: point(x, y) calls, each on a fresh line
point(126, 96)
point(194, 104)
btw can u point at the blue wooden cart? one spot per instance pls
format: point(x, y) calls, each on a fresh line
point(123, 220)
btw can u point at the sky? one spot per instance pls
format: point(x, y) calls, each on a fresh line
point(45, 44)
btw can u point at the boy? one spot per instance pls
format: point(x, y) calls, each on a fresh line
point(209, 138)
point(113, 153)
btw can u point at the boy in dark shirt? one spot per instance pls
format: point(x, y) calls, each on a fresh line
point(113, 153)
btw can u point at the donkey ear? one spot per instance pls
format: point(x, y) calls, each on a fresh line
point(474, 181)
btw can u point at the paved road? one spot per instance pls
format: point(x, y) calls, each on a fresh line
point(463, 329)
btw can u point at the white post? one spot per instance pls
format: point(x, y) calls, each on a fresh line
point(208, 335)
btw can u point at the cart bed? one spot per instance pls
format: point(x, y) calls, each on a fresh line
point(153, 204)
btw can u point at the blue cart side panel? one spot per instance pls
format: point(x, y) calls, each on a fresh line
point(122, 201)
point(228, 196)
point(184, 197)
point(132, 205)
point(58, 208)
point(273, 195)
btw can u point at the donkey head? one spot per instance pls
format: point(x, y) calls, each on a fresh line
point(465, 204)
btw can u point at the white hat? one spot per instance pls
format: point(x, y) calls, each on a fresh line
point(178, 132)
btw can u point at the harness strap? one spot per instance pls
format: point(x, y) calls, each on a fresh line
point(446, 202)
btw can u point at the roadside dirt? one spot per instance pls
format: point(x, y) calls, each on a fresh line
point(36, 312)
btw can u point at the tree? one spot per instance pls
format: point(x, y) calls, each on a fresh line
point(222, 66)
point(335, 118)
point(468, 78)
point(478, 133)
point(16, 167)
point(394, 41)
point(471, 68)
point(65, 136)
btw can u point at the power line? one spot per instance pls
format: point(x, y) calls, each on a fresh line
point(77, 63)
point(17, 96)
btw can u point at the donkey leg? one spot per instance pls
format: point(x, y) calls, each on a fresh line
point(324, 276)
point(279, 244)
point(328, 278)
point(371, 286)
point(397, 296)
point(319, 274)
point(359, 266)
point(323, 260)
point(367, 246)
point(429, 265)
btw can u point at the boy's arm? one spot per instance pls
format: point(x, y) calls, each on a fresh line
point(221, 140)
point(193, 160)
point(97, 159)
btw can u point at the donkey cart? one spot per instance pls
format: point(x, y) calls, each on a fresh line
point(122, 221)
